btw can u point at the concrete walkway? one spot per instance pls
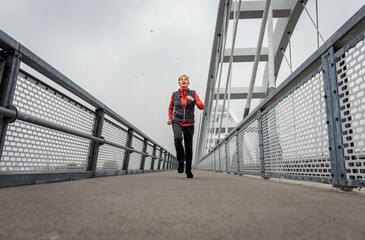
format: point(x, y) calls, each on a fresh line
point(166, 205)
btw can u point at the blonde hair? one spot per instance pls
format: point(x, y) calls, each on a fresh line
point(183, 76)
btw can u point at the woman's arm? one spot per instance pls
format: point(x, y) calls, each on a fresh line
point(171, 109)
point(198, 103)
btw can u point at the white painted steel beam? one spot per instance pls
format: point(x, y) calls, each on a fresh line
point(281, 37)
point(255, 9)
point(241, 92)
point(245, 54)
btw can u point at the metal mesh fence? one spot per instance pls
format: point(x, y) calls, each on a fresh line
point(232, 154)
point(223, 157)
point(158, 161)
point(249, 151)
point(216, 160)
point(350, 68)
point(111, 157)
point(135, 158)
point(37, 99)
point(148, 160)
point(295, 134)
point(31, 148)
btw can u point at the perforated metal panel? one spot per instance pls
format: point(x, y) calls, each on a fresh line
point(148, 160)
point(37, 99)
point(216, 159)
point(204, 164)
point(135, 158)
point(295, 133)
point(350, 69)
point(30, 148)
point(158, 150)
point(232, 154)
point(222, 150)
point(249, 151)
point(111, 157)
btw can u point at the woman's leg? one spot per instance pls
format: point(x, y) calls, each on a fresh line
point(180, 152)
point(188, 141)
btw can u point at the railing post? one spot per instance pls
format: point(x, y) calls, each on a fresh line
point(211, 161)
point(261, 145)
point(127, 153)
point(159, 160)
point(214, 164)
point(238, 154)
point(168, 161)
point(227, 158)
point(164, 161)
point(334, 120)
point(9, 69)
point(143, 157)
point(94, 146)
point(153, 158)
point(219, 159)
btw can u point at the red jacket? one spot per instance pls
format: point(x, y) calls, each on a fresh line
point(183, 98)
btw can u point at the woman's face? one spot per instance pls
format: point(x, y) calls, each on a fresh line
point(183, 82)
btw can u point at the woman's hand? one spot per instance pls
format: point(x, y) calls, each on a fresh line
point(169, 122)
point(190, 98)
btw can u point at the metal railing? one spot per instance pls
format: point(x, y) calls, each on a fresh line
point(312, 127)
point(46, 135)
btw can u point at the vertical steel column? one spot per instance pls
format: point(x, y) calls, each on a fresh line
point(164, 161)
point(238, 154)
point(210, 162)
point(261, 145)
point(219, 159)
point(214, 164)
point(2, 66)
point(94, 146)
point(227, 158)
point(168, 161)
point(334, 121)
point(9, 69)
point(154, 157)
point(143, 157)
point(127, 153)
point(159, 160)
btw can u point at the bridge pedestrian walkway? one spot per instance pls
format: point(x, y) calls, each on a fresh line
point(166, 205)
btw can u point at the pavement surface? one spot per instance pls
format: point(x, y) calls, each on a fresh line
point(167, 205)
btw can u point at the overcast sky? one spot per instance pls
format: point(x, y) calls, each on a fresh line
point(129, 54)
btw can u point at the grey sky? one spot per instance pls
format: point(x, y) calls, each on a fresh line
point(129, 54)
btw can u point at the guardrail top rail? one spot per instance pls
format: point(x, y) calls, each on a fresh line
point(46, 135)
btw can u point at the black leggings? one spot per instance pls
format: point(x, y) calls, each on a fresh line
point(187, 154)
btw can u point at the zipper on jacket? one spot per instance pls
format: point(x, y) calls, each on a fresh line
point(184, 114)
